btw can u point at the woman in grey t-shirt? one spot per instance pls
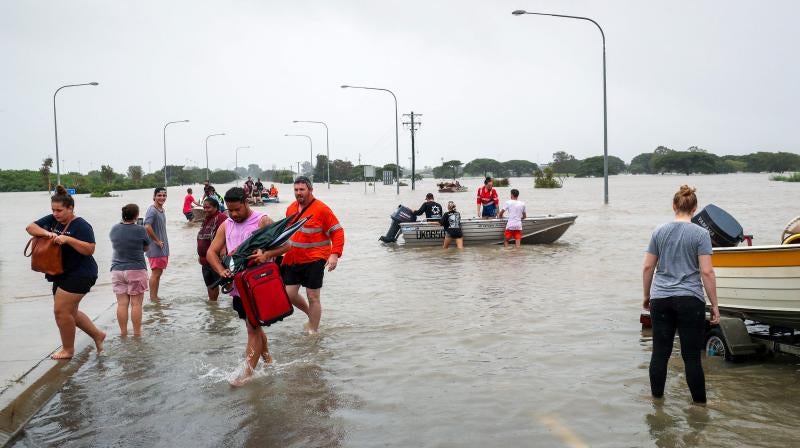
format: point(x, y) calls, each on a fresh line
point(677, 266)
point(128, 269)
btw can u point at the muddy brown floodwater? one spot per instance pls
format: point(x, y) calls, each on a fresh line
point(422, 347)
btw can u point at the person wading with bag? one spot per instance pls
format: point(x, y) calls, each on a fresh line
point(241, 223)
point(75, 237)
point(317, 246)
point(679, 255)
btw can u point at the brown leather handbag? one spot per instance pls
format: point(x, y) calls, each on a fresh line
point(45, 254)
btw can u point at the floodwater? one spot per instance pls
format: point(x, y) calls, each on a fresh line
point(423, 347)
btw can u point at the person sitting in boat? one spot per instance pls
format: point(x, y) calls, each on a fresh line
point(431, 209)
point(488, 201)
point(451, 221)
point(273, 192)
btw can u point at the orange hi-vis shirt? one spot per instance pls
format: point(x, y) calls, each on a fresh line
point(318, 238)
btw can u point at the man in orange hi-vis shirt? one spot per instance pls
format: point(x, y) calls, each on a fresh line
point(316, 246)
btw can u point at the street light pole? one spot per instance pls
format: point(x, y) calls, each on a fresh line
point(396, 126)
point(236, 162)
point(55, 123)
point(605, 102)
point(165, 148)
point(311, 148)
point(327, 146)
point(208, 137)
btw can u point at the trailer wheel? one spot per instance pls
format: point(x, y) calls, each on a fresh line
point(716, 345)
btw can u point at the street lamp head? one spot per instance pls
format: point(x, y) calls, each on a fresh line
point(519, 12)
point(295, 121)
point(345, 86)
point(94, 83)
point(185, 121)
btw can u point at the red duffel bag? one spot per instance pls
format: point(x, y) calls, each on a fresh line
point(263, 294)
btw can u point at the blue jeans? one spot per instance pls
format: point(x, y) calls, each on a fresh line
point(489, 210)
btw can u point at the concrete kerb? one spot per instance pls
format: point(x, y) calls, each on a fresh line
point(27, 395)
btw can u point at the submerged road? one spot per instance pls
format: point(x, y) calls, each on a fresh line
point(419, 347)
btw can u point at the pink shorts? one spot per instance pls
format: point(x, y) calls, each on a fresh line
point(158, 262)
point(132, 282)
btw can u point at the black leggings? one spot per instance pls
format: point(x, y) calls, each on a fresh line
point(687, 315)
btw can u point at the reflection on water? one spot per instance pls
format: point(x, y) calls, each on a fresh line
point(485, 346)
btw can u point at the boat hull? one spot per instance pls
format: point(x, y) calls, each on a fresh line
point(535, 230)
point(759, 283)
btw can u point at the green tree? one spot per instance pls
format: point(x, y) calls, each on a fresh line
point(593, 167)
point(545, 179)
point(107, 174)
point(641, 164)
point(564, 163)
point(519, 168)
point(447, 170)
point(45, 170)
point(482, 167)
point(321, 168)
point(135, 173)
point(222, 176)
point(685, 162)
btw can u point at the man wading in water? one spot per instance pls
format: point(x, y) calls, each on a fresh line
point(316, 246)
point(241, 223)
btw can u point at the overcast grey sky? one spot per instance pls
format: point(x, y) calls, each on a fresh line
point(722, 75)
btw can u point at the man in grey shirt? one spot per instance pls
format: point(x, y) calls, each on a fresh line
point(155, 223)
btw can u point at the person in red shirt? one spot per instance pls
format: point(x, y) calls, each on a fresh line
point(188, 203)
point(315, 247)
point(487, 198)
point(213, 219)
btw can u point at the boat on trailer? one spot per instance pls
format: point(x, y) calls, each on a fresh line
point(759, 283)
point(542, 229)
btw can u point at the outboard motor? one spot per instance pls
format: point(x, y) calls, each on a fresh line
point(724, 229)
point(402, 214)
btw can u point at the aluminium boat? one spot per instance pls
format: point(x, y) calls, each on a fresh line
point(543, 229)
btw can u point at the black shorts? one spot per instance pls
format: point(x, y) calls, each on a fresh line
point(188, 215)
point(236, 303)
point(454, 233)
point(72, 284)
point(209, 276)
point(305, 274)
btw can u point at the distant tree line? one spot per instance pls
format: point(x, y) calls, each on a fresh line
point(700, 161)
point(661, 160)
point(106, 179)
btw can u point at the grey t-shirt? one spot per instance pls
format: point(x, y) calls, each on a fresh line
point(128, 241)
point(158, 221)
point(678, 245)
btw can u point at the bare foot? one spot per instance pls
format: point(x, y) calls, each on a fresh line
point(62, 354)
point(123, 334)
point(267, 358)
point(98, 341)
point(137, 334)
point(307, 329)
point(242, 379)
